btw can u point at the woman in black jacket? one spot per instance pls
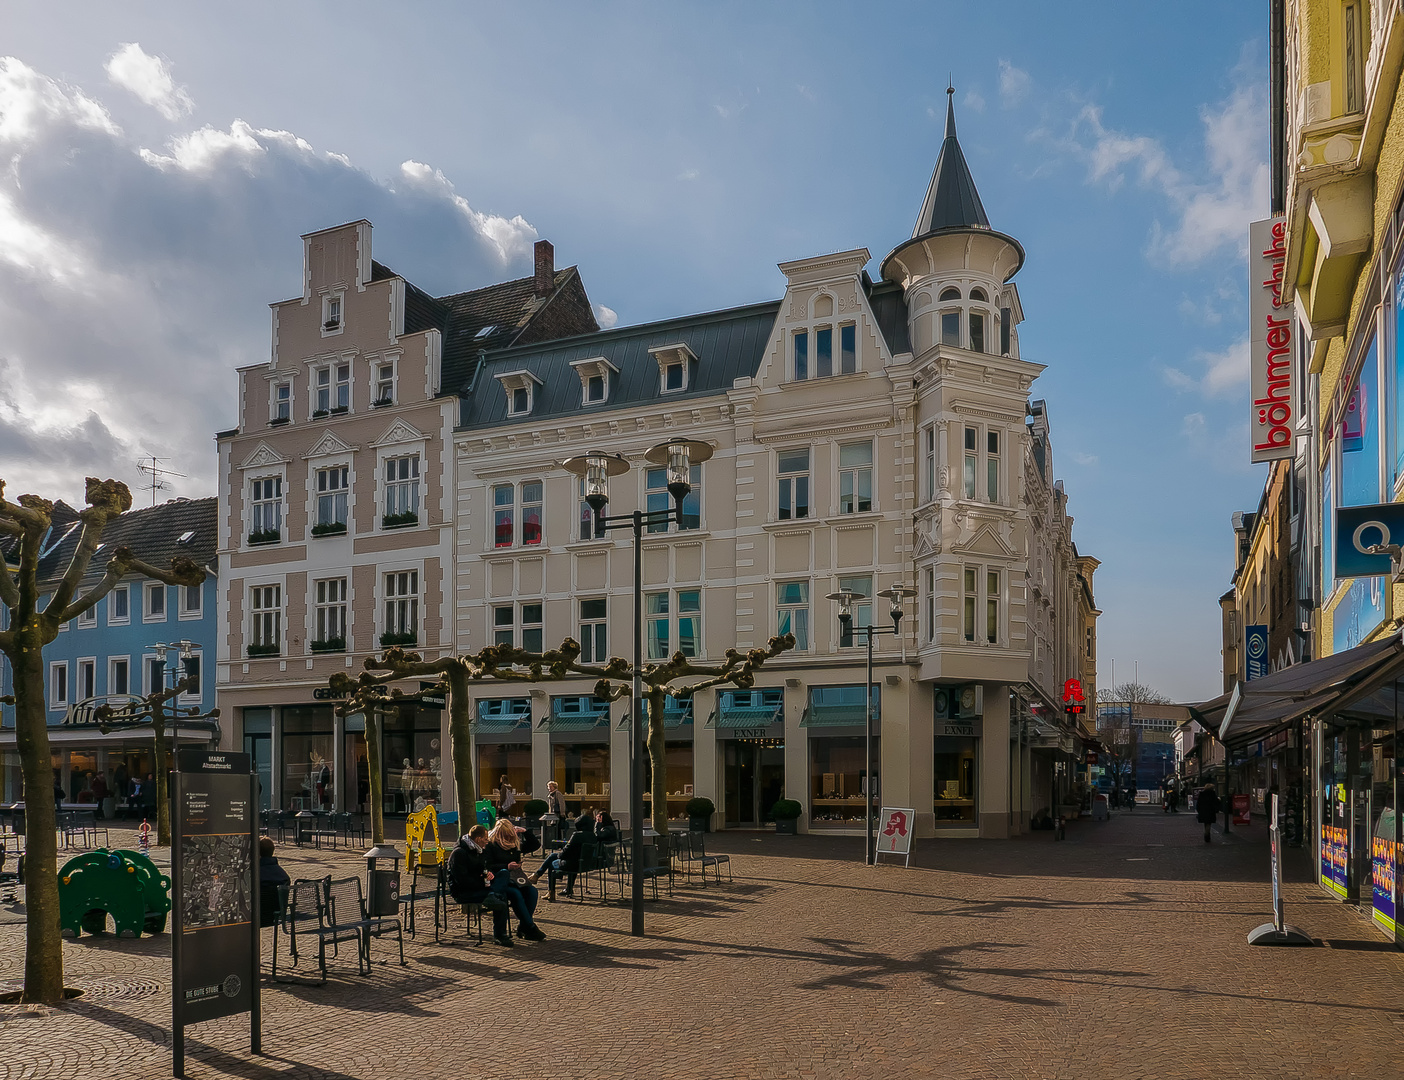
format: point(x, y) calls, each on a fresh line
point(1206, 808)
point(470, 883)
point(606, 830)
point(566, 862)
point(503, 857)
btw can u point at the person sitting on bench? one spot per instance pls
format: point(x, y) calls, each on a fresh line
point(470, 882)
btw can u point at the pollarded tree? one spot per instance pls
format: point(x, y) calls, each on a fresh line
point(504, 663)
point(28, 630)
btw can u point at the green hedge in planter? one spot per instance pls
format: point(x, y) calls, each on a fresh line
point(336, 644)
point(389, 638)
point(701, 806)
point(264, 650)
point(786, 810)
point(265, 536)
point(329, 528)
point(393, 521)
point(535, 807)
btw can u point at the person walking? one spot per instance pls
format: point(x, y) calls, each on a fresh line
point(1206, 808)
point(555, 800)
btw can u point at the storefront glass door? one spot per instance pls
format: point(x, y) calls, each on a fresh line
point(754, 780)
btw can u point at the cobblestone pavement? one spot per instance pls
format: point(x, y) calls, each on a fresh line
point(1119, 952)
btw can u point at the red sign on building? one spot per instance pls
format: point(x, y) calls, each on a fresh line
point(1074, 700)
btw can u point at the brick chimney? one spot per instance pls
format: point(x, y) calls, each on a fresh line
point(545, 268)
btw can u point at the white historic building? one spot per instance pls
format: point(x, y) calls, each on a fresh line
point(864, 433)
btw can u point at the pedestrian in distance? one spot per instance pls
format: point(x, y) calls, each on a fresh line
point(1206, 808)
point(555, 800)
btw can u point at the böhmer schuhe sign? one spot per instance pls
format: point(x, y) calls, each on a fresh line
point(1274, 422)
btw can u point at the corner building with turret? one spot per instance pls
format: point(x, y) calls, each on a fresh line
point(865, 434)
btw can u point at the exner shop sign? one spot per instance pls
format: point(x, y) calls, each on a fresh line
point(1274, 420)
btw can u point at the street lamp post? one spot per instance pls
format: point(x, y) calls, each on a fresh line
point(595, 467)
point(846, 598)
point(185, 649)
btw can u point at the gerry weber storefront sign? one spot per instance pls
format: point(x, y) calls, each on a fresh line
point(1274, 420)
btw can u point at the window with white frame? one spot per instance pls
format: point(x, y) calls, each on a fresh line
point(594, 632)
point(587, 529)
point(792, 482)
point(154, 607)
point(265, 619)
point(266, 509)
point(508, 618)
point(87, 679)
point(675, 364)
point(673, 623)
point(401, 607)
point(978, 320)
point(119, 610)
point(983, 596)
point(331, 313)
point(977, 448)
point(971, 605)
point(331, 499)
point(87, 619)
point(155, 674)
point(972, 461)
point(860, 585)
point(190, 669)
point(384, 383)
point(792, 611)
point(119, 675)
point(520, 388)
point(58, 684)
point(504, 625)
point(280, 401)
point(819, 361)
point(401, 491)
point(950, 319)
point(929, 587)
point(504, 514)
point(332, 389)
point(595, 376)
point(531, 627)
point(855, 477)
point(992, 466)
point(992, 606)
point(329, 605)
point(192, 601)
point(928, 438)
point(659, 498)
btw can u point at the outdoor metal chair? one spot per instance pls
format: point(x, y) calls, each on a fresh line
point(698, 841)
point(346, 912)
point(657, 862)
point(689, 853)
point(302, 915)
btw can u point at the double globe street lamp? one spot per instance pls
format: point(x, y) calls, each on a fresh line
point(595, 467)
point(897, 595)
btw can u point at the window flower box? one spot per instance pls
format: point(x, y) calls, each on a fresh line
point(382, 403)
point(265, 536)
point(340, 409)
point(391, 637)
point(255, 651)
point(320, 413)
point(329, 528)
point(330, 645)
point(331, 324)
point(278, 421)
point(399, 521)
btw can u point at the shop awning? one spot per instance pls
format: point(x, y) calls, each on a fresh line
point(676, 713)
point(1254, 710)
point(575, 714)
point(745, 717)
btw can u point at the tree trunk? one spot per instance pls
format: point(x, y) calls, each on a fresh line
point(376, 778)
point(658, 759)
point(43, 956)
point(162, 775)
point(461, 747)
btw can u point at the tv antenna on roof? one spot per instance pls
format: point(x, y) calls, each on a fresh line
point(158, 475)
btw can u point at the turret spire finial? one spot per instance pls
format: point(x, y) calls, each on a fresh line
point(950, 111)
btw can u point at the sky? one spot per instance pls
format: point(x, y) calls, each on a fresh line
point(162, 160)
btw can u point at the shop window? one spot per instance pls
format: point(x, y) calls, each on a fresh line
point(793, 484)
point(594, 631)
point(838, 780)
point(581, 771)
point(413, 759)
point(308, 757)
point(954, 776)
point(792, 611)
point(659, 499)
point(512, 760)
point(677, 778)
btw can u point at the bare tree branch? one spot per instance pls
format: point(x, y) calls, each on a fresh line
point(183, 571)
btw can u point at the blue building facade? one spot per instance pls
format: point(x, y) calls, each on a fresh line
point(113, 652)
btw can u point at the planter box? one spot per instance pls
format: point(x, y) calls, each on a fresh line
point(699, 824)
point(787, 828)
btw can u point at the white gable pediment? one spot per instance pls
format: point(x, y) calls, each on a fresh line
point(401, 431)
point(986, 541)
point(327, 446)
point(263, 457)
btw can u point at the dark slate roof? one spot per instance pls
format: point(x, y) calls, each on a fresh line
point(728, 344)
point(951, 201)
point(153, 533)
point(889, 303)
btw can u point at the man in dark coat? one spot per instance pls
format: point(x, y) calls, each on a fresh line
point(272, 879)
point(567, 861)
point(1206, 808)
point(470, 883)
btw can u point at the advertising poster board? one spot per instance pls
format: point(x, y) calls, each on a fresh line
point(1333, 859)
point(1241, 815)
point(1272, 419)
point(1275, 833)
point(895, 832)
point(1385, 858)
point(214, 867)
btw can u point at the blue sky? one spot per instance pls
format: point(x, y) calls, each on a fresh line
point(163, 158)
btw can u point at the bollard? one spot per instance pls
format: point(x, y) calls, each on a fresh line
point(144, 838)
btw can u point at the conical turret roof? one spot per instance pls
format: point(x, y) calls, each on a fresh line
point(951, 201)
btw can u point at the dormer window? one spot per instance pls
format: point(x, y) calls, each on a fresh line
point(816, 360)
point(520, 387)
point(675, 366)
point(595, 376)
point(331, 314)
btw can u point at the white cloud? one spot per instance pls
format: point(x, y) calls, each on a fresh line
point(1194, 423)
point(689, 174)
point(124, 269)
point(1086, 460)
point(1224, 372)
point(606, 317)
point(1014, 84)
point(973, 101)
point(1212, 206)
point(149, 77)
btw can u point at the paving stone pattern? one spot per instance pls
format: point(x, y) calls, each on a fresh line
point(1119, 952)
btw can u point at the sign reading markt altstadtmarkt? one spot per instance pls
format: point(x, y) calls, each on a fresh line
point(1273, 423)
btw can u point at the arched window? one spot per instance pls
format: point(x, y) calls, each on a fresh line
point(979, 294)
point(950, 294)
